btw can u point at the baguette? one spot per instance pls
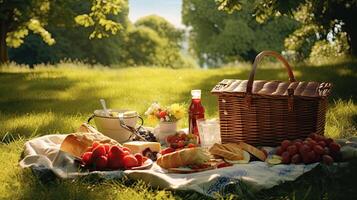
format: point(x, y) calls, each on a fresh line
point(184, 157)
point(252, 150)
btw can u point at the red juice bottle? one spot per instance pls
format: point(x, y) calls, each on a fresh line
point(196, 111)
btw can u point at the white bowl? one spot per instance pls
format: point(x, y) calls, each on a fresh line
point(110, 126)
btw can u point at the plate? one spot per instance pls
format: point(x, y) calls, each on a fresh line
point(187, 170)
point(147, 164)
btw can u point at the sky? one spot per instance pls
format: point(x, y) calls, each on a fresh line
point(169, 9)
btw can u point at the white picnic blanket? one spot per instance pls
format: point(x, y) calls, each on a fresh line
point(44, 152)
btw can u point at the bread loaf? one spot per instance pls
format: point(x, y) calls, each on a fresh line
point(77, 143)
point(252, 150)
point(184, 157)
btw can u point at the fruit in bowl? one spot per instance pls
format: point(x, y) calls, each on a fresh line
point(105, 157)
point(179, 141)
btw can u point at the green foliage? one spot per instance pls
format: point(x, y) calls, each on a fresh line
point(321, 21)
point(162, 27)
point(154, 41)
point(99, 17)
point(323, 51)
point(217, 37)
point(18, 17)
point(72, 40)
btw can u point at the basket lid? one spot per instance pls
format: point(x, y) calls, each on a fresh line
point(273, 88)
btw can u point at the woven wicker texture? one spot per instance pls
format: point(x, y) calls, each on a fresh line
point(267, 112)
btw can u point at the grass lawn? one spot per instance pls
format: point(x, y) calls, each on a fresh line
point(58, 99)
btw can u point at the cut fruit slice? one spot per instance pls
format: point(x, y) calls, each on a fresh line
point(245, 160)
point(273, 161)
point(276, 157)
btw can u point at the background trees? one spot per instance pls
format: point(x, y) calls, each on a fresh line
point(18, 17)
point(327, 26)
point(150, 41)
point(218, 37)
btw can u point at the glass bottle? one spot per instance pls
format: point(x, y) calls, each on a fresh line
point(196, 111)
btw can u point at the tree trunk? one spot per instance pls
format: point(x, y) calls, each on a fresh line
point(352, 34)
point(3, 48)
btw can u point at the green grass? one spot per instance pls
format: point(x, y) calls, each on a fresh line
point(57, 99)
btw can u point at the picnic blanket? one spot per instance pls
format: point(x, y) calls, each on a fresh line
point(43, 154)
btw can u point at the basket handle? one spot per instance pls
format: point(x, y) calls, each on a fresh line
point(257, 60)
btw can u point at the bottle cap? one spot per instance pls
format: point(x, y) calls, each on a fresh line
point(196, 94)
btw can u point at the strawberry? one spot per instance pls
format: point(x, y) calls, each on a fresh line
point(181, 144)
point(117, 151)
point(145, 159)
point(87, 158)
point(139, 158)
point(130, 161)
point(99, 151)
point(114, 161)
point(190, 145)
point(101, 162)
point(95, 144)
point(107, 147)
point(167, 150)
point(126, 149)
point(223, 164)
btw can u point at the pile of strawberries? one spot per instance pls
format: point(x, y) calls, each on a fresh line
point(102, 157)
point(315, 148)
point(179, 141)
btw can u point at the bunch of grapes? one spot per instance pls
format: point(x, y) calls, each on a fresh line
point(315, 148)
point(146, 134)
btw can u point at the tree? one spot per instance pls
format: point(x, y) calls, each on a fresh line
point(72, 40)
point(162, 27)
point(152, 40)
point(321, 20)
point(218, 37)
point(18, 17)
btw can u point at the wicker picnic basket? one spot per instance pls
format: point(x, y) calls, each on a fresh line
point(263, 113)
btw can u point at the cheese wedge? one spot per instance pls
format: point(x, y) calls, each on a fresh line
point(140, 146)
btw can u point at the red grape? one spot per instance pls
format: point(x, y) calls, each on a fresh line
point(285, 144)
point(326, 159)
point(292, 149)
point(322, 143)
point(296, 159)
point(318, 149)
point(279, 151)
point(334, 147)
point(285, 157)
